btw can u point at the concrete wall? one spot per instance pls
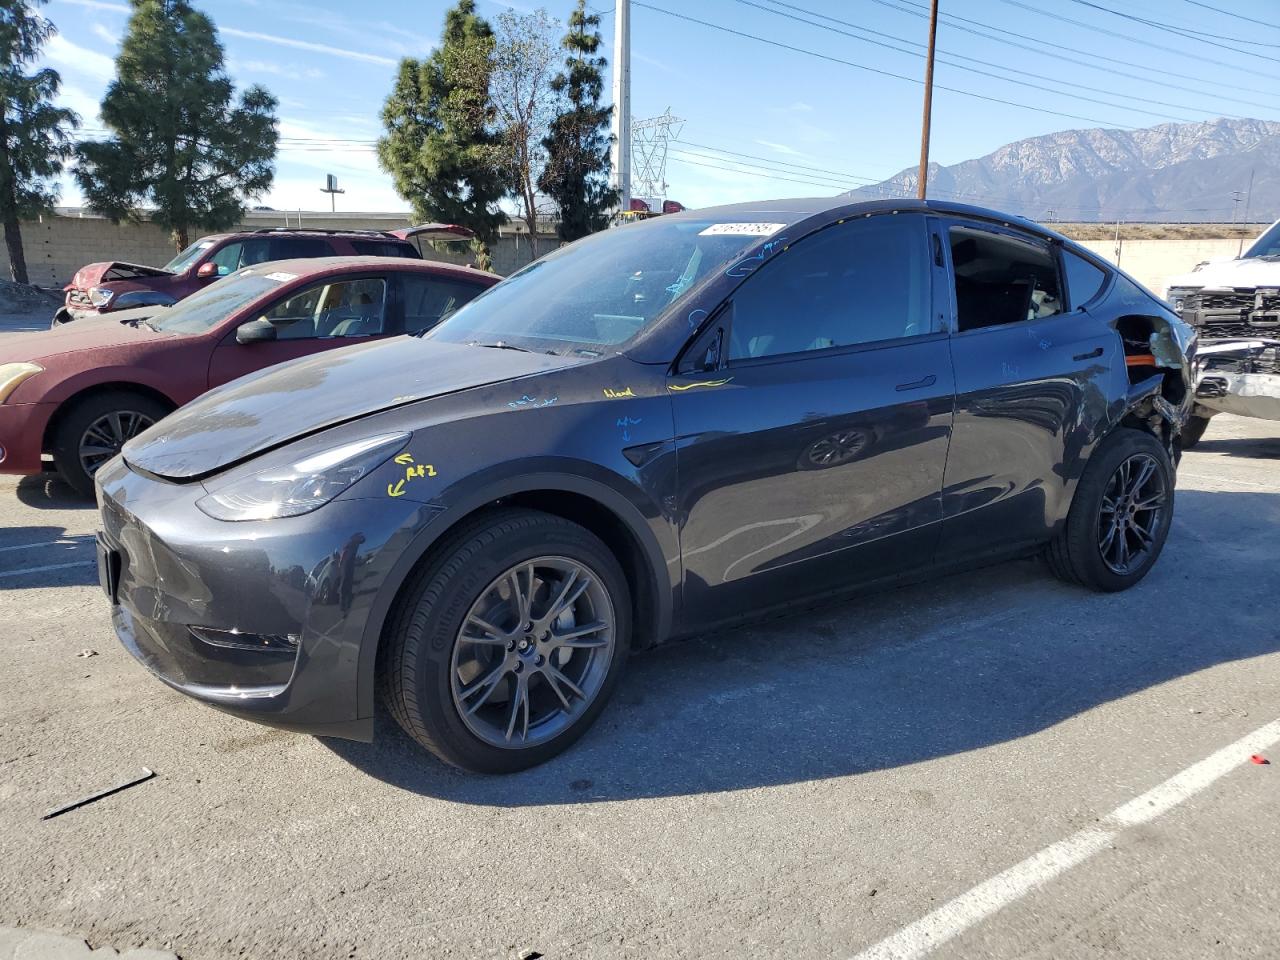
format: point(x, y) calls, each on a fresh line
point(57, 246)
point(1151, 262)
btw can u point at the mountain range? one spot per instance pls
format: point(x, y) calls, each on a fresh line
point(1175, 172)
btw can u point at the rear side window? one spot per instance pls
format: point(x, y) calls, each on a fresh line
point(1002, 279)
point(428, 299)
point(294, 248)
point(859, 282)
point(385, 248)
point(1084, 280)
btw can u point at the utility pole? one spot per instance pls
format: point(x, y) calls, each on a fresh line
point(1248, 199)
point(1236, 197)
point(621, 124)
point(923, 178)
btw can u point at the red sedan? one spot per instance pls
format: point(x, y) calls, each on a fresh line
point(78, 392)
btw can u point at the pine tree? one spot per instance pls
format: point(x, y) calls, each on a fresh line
point(34, 134)
point(181, 143)
point(576, 175)
point(440, 148)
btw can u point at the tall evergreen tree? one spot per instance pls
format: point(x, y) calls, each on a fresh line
point(182, 143)
point(34, 134)
point(576, 174)
point(440, 147)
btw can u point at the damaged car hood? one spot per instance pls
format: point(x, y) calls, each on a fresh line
point(96, 273)
point(264, 410)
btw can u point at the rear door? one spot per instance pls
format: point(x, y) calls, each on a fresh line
point(810, 448)
point(1032, 376)
point(330, 313)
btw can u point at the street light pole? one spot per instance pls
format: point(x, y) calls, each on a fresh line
point(621, 124)
point(923, 179)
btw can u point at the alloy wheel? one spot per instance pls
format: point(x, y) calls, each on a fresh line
point(1131, 513)
point(104, 437)
point(533, 652)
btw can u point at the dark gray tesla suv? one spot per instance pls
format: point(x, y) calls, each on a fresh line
point(652, 432)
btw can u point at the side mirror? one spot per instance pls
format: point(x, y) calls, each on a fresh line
point(256, 331)
point(207, 270)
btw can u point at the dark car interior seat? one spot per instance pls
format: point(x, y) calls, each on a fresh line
point(997, 280)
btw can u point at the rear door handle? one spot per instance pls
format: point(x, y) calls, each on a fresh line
point(1096, 352)
point(928, 381)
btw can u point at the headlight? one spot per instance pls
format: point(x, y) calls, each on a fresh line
point(100, 297)
point(303, 486)
point(12, 374)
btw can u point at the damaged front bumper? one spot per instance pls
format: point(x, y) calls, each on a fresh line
point(1239, 376)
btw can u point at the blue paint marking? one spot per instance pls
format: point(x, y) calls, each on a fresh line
point(625, 424)
point(747, 265)
point(696, 317)
point(528, 401)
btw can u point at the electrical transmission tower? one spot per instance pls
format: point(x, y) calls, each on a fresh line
point(649, 141)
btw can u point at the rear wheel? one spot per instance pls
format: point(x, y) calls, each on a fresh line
point(94, 430)
point(1192, 431)
point(1120, 516)
point(507, 645)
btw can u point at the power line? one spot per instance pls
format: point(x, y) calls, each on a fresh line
point(985, 73)
point(1186, 32)
point(1239, 16)
point(876, 70)
point(955, 20)
point(1059, 18)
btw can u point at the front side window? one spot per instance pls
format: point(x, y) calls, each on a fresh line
point(1002, 279)
point(348, 308)
point(428, 299)
point(860, 282)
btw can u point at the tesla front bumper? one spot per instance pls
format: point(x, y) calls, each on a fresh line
point(262, 619)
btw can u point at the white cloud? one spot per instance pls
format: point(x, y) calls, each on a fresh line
point(101, 5)
point(308, 45)
point(79, 61)
point(781, 148)
point(290, 70)
point(106, 35)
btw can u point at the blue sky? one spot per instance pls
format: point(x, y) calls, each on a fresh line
point(762, 119)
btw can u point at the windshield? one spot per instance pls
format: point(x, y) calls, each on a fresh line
point(601, 291)
point(1267, 245)
point(183, 260)
point(204, 310)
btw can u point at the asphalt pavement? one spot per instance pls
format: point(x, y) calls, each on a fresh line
point(994, 764)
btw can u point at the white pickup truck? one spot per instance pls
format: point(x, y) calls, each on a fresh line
point(1235, 306)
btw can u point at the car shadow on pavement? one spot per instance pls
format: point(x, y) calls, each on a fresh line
point(940, 668)
point(48, 491)
point(45, 556)
point(1256, 448)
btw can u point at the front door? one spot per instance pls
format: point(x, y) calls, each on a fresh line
point(328, 314)
point(1032, 378)
point(811, 457)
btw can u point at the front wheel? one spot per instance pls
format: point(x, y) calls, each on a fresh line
point(95, 428)
point(1120, 517)
point(508, 643)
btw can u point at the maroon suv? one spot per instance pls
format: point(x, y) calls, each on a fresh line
point(114, 285)
point(75, 394)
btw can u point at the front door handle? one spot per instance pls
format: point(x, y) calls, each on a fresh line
point(928, 381)
point(1096, 352)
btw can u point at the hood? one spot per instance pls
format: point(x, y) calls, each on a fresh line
point(91, 333)
point(256, 413)
point(1230, 273)
point(98, 273)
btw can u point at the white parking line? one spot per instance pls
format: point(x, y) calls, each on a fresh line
point(61, 541)
point(956, 916)
point(52, 566)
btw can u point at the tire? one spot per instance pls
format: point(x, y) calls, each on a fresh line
point(136, 412)
point(1081, 552)
point(1192, 431)
point(423, 668)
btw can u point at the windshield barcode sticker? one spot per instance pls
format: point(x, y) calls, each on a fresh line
point(281, 277)
point(741, 229)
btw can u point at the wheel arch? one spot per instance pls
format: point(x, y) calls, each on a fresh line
point(84, 393)
point(595, 505)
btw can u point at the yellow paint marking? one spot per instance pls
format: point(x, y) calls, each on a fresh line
point(680, 387)
point(404, 458)
point(617, 394)
point(397, 490)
